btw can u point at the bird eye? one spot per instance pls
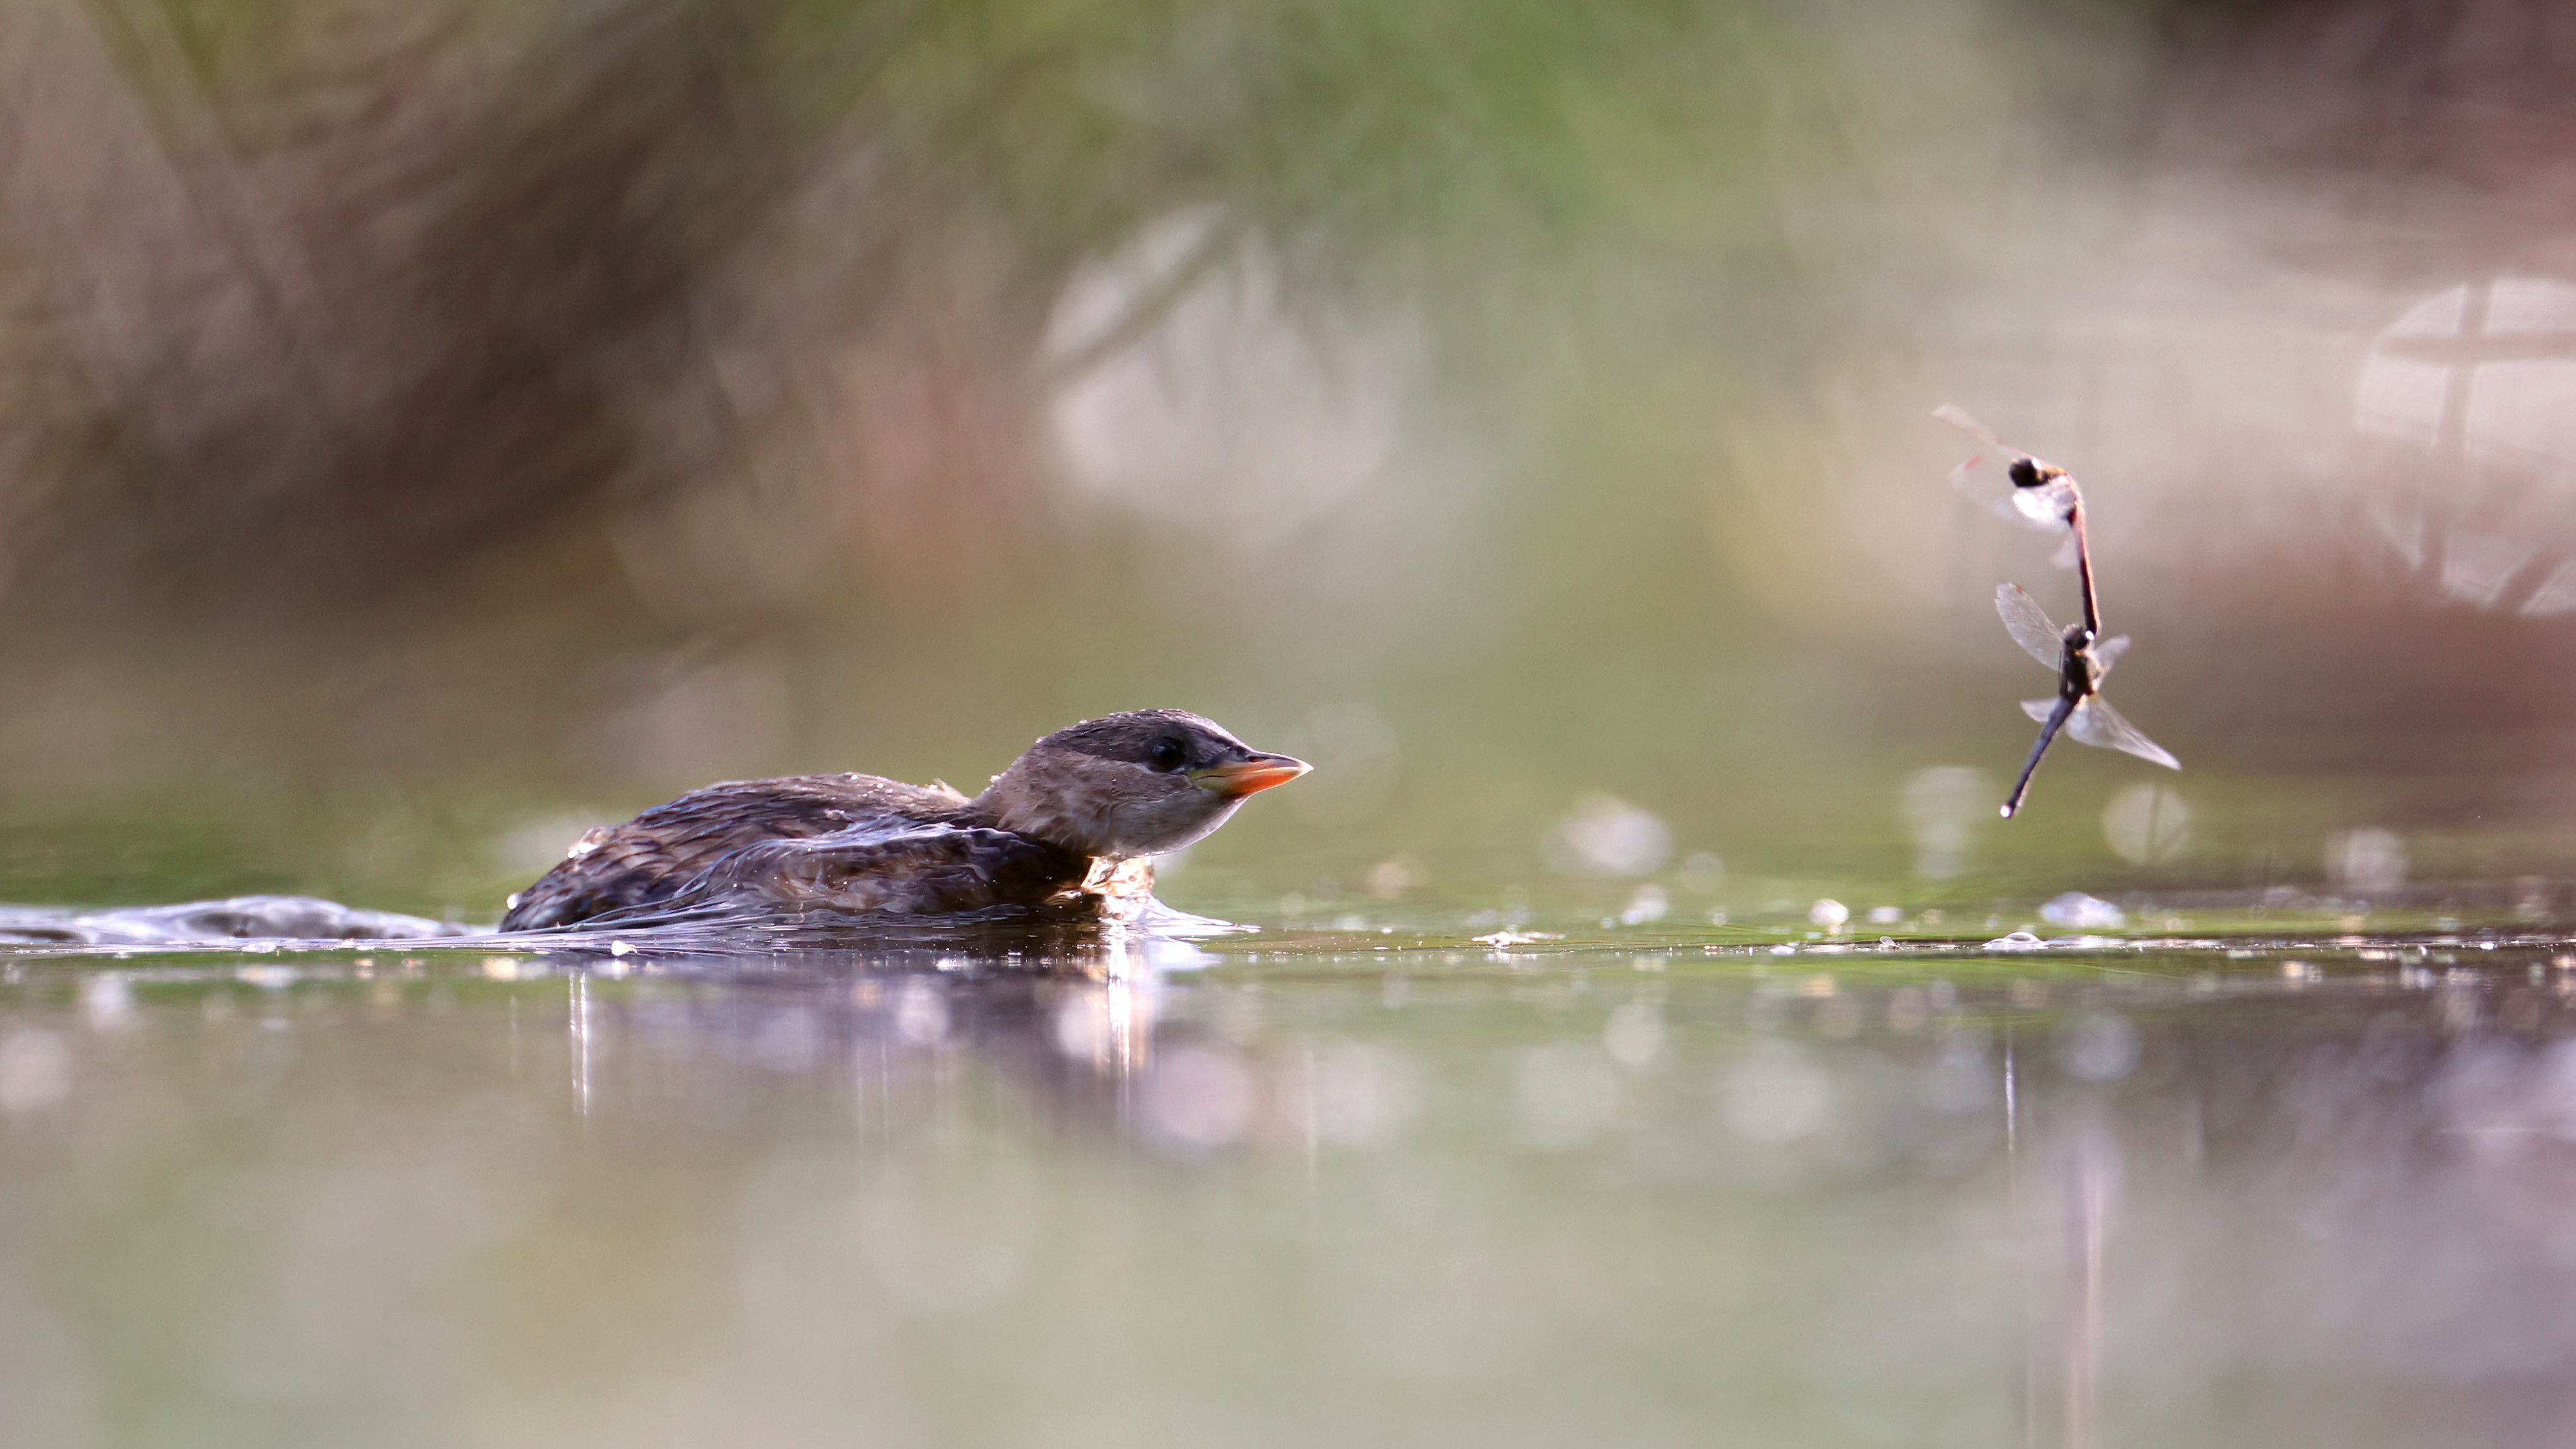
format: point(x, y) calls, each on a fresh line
point(1166, 754)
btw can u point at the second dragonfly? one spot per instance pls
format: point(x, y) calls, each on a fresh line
point(2082, 660)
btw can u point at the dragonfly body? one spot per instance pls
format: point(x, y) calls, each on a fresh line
point(2046, 495)
point(2079, 673)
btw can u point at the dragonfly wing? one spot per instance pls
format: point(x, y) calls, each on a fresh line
point(2097, 724)
point(1986, 480)
point(1983, 481)
point(2039, 709)
point(2028, 625)
point(2046, 505)
point(2106, 654)
point(1957, 417)
point(2064, 558)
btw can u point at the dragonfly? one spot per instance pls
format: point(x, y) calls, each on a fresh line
point(2082, 659)
point(2041, 494)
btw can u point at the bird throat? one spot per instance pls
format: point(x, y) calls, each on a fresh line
point(1058, 812)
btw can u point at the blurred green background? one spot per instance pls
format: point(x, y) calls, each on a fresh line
point(428, 429)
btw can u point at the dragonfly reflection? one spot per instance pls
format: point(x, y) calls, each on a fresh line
point(2040, 493)
point(2082, 659)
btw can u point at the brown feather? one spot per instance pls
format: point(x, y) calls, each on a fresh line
point(651, 858)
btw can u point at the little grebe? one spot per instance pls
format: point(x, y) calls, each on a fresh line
point(1080, 803)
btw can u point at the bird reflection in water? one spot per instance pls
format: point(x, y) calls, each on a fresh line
point(1068, 1026)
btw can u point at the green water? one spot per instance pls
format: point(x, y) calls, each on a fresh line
point(1357, 1188)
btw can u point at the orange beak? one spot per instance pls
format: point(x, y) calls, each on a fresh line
point(1247, 777)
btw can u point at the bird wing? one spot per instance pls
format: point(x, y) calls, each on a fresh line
point(656, 855)
point(2097, 724)
point(2028, 624)
point(893, 868)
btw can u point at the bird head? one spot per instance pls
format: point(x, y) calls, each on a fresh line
point(1140, 783)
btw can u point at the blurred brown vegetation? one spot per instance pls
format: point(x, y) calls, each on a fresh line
point(330, 301)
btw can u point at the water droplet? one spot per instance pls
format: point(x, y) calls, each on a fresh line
point(1775, 1094)
point(1635, 1036)
point(2102, 1047)
point(2078, 911)
point(35, 1070)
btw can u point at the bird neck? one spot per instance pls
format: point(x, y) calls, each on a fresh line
point(1028, 799)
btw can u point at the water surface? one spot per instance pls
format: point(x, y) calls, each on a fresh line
point(1292, 1189)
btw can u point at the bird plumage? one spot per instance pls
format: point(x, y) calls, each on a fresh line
point(1104, 791)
